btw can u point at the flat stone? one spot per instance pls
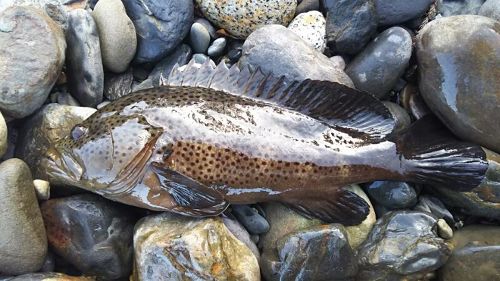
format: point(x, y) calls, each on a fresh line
point(117, 34)
point(240, 18)
point(23, 243)
point(379, 66)
point(180, 56)
point(491, 9)
point(392, 12)
point(300, 62)
point(25, 82)
point(160, 26)
point(84, 62)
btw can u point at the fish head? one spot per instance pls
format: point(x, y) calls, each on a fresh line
point(104, 154)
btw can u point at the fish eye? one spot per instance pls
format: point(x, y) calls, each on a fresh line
point(78, 131)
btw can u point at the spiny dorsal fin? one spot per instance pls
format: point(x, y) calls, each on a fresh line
point(344, 108)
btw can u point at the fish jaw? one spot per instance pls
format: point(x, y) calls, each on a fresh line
point(62, 169)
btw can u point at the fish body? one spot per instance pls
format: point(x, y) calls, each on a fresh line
point(194, 150)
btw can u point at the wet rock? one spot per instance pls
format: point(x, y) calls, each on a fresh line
point(434, 206)
point(162, 243)
point(43, 129)
point(444, 230)
point(92, 233)
point(413, 102)
point(349, 24)
point(3, 136)
point(310, 27)
point(481, 235)
point(392, 194)
point(463, 7)
point(50, 276)
point(239, 231)
point(217, 47)
point(394, 12)
point(379, 66)
point(402, 245)
point(160, 26)
point(119, 85)
point(42, 189)
point(491, 9)
point(180, 56)
point(25, 82)
point(117, 34)
point(199, 38)
point(400, 115)
point(307, 6)
point(23, 243)
point(240, 18)
point(358, 233)
point(459, 75)
point(84, 62)
point(210, 28)
point(272, 43)
point(254, 222)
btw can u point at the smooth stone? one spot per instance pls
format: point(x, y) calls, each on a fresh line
point(117, 35)
point(402, 245)
point(444, 230)
point(412, 101)
point(271, 43)
point(200, 58)
point(25, 82)
point(459, 76)
point(199, 38)
point(235, 50)
point(379, 66)
point(392, 194)
point(433, 205)
point(65, 98)
point(250, 218)
point(83, 58)
point(240, 18)
point(42, 189)
point(161, 31)
point(338, 61)
point(491, 9)
point(118, 85)
point(350, 24)
point(401, 116)
point(463, 7)
point(210, 28)
point(173, 247)
point(306, 6)
point(43, 129)
point(311, 27)
point(217, 48)
point(242, 234)
point(23, 243)
point(392, 12)
point(180, 56)
point(50, 276)
point(92, 233)
point(3, 135)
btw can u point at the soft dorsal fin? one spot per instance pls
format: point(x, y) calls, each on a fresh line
point(344, 108)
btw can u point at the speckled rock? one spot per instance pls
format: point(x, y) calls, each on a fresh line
point(23, 243)
point(50, 276)
point(240, 18)
point(117, 34)
point(3, 136)
point(311, 27)
point(84, 62)
point(160, 26)
point(491, 9)
point(44, 128)
point(180, 56)
point(459, 75)
point(25, 82)
point(173, 247)
point(392, 12)
point(272, 43)
point(463, 7)
point(92, 233)
point(379, 66)
point(402, 245)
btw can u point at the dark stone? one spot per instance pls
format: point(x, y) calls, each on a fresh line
point(400, 115)
point(350, 24)
point(434, 206)
point(402, 245)
point(250, 218)
point(84, 62)
point(119, 85)
point(180, 56)
point(412, 101)
point(459, 7)
point(397, 11)
point(217, 47)
point(199, 38)
point(46, 276)
point(379, 66)
point(160, 26)
point(306, 6)
point(392, 194)
point(92, 233)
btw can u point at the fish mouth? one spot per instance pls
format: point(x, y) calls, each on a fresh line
point(61, 169)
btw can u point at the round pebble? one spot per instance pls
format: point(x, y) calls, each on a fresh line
point(199, 38)
point(444, 230)
point(217, 48)
point(42, 188)
point(392, 12)
point(251, 219)
point(310, 27)
point(392, 194)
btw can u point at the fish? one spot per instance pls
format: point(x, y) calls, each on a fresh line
point(212, 136)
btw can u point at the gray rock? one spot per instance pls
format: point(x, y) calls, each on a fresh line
point(160, 26)
point(42, 189)
point(119, 85)
point(300, 62)
point(92, 233)
point(491, 9)
point(199, 38)
point(25, 82)
point(117, 33)
point(402, 245)
point(380, 65)
point(412, 101)
point(200, 58)
point(217, 47)
point(210, 28)
point(23, 243)
point(444, 230)
point(84, 62)
point(434, 206)
point(459, 75)
point(306, 6)
point(50, 276)
point(400, 115)
point(65, 98)
point(3, 136)
point(338, 61)
point(350, 24)
point(463, 7)
point(249, 217)
point(311, 27)
point(392, 194)
point(393, 12)
point(180, 56)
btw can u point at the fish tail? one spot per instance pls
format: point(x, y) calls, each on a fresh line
point(432, 155)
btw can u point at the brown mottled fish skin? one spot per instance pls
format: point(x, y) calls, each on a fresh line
point(238, 149)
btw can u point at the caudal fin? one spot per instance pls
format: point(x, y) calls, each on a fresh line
point(433, 155)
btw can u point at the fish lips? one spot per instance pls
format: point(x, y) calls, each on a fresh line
point(61, 169)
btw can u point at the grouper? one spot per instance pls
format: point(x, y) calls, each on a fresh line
point(213, 136)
